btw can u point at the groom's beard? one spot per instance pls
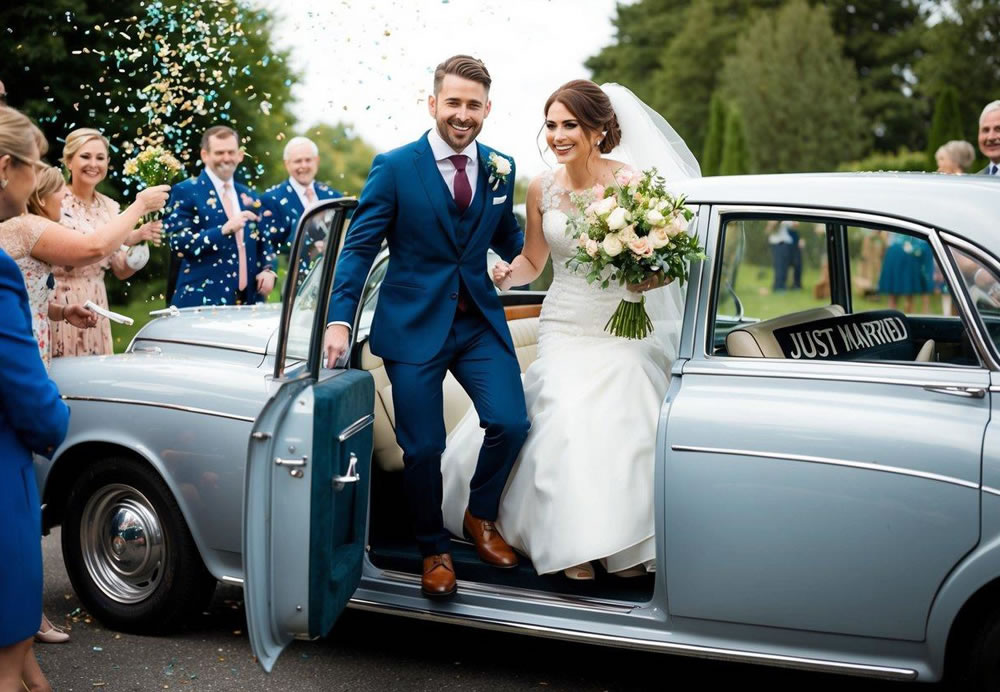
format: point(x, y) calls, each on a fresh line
point(458, 140)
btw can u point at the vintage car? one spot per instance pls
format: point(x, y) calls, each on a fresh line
point(827, 471)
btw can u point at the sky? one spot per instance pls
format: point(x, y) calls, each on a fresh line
point(370, 63)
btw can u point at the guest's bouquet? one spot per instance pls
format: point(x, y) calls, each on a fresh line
point(153, 166)
point(639, 230)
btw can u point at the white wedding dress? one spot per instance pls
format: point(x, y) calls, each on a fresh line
point(582, 487)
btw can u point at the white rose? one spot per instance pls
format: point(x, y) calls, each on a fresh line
point(658, 237)
point(627, 234)
point(500, 164)
point(617, 219)
point(612, 245)
point(662, 205)
point(592, 248)
point(655, 218)
point(583, 239)
point(677, 225)
point(606, 205)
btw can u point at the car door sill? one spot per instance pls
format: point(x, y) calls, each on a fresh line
point(562, 600)
point(708, 652)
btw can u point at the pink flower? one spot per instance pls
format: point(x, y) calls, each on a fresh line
point(624, 176)
point(598, 191)
point(641, 247)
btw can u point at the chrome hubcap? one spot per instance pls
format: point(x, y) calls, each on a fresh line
point(122, 543)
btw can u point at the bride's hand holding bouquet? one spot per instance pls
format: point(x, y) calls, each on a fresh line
point(638, 230)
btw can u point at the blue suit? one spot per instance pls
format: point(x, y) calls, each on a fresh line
point(436, 261)
point(32, 419)
point(285, 209)
point(209, 262)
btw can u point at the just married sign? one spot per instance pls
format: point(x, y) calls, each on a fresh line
point(882, 334)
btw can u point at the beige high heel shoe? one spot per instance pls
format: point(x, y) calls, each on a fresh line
point(49, 633)
point(584, 572)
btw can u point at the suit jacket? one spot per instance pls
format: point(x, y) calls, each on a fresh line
point(285, 209)
point(209, 260)
point(406, 203)
point(986, 171)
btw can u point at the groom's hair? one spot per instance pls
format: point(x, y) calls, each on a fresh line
point(464, 66)
point(218, 131)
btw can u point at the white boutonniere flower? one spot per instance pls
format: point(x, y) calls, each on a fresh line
point(499, 168)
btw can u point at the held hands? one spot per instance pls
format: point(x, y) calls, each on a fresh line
point(153, 198)
point(79, 316)
point(238, 222)
point(265, 282)
point(501, 275)
point(152, 231)
point(335, 343)
point(654, 281)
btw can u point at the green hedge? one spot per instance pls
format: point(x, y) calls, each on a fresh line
point(902, 160)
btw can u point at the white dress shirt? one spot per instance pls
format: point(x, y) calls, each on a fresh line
point(218, 183)
point(442, 150)
point(992, 170)
point(300, 190)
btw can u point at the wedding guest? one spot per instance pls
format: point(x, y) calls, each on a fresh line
point(287, 200)
point(225, 259)
point(908, 271)
point(989, 137)
point(37, 243)
point(84, 209)
point(954, 157)
point(33, 419)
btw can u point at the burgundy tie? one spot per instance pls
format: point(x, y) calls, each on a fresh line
point(463, 191)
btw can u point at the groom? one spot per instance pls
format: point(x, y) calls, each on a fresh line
point(440, 203)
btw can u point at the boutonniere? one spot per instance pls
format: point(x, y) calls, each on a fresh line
point(499, 168)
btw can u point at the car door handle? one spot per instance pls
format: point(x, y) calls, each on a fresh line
point(278, 461)
point(352, 475)
point(967, 392)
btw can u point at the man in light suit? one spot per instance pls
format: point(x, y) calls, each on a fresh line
point(287, 200)
point(440, 206)
point(989, 137)
point(225, 258)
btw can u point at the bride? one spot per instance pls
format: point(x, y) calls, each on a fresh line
point(582, 488)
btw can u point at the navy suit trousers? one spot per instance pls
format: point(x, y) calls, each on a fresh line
point(489, 372)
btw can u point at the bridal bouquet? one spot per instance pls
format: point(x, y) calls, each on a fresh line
point(639, 230)
point(152, 166)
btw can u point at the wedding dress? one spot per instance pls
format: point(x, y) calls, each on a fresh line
point(582, 488)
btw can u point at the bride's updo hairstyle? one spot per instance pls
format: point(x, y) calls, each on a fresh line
point(592, 109)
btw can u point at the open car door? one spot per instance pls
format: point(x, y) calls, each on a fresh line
point(306, 497)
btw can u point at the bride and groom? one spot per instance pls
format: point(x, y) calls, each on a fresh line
point(577, 488)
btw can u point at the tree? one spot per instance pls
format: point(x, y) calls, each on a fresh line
point(796, 91)
point(736, 158)
point(946, 124)
point(712, 156)
point(962, 48)
point(344, 158)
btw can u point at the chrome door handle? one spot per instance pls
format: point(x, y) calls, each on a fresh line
point(352, 475)
point(278, 461)
point(967, 392)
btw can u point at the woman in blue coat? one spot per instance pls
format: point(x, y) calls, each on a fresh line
point(32, 419)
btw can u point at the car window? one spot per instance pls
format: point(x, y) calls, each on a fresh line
point(807, 288)
point(369, 297)
point(310, 260)
point(983, 286)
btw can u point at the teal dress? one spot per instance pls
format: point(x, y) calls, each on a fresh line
point(907, 268)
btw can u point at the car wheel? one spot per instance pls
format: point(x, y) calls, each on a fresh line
point(128, 552)
point(983, 663)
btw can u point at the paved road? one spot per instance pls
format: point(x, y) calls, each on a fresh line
point(377, 653)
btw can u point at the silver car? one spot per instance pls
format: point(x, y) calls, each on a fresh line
point(827, 473)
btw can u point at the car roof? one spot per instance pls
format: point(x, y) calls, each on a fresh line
point(968, 205)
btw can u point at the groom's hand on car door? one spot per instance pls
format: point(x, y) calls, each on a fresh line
point(335, 343)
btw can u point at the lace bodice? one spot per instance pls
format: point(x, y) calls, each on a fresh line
point(17, 238)
point(572, 307)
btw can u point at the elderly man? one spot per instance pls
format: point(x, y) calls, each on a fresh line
point(287, 200)
point(224, 257)
point(989, 137)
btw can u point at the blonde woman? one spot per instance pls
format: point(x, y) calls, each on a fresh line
point(954, 157)
point(37, 243)
point(86, 210)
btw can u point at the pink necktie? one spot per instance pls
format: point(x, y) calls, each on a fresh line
point(310, 195)
point(241, 251)
point(463, 191)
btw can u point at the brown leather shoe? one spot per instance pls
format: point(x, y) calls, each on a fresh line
point(492, 548)
point(439, 576)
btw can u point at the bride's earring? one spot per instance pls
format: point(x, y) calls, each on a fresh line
point(3, 184)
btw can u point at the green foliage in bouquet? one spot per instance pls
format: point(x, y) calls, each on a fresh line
point(629, 233)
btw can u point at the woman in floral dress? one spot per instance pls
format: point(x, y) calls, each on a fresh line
point(85, 210)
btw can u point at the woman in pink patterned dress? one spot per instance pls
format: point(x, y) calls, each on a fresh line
point(85, 210)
